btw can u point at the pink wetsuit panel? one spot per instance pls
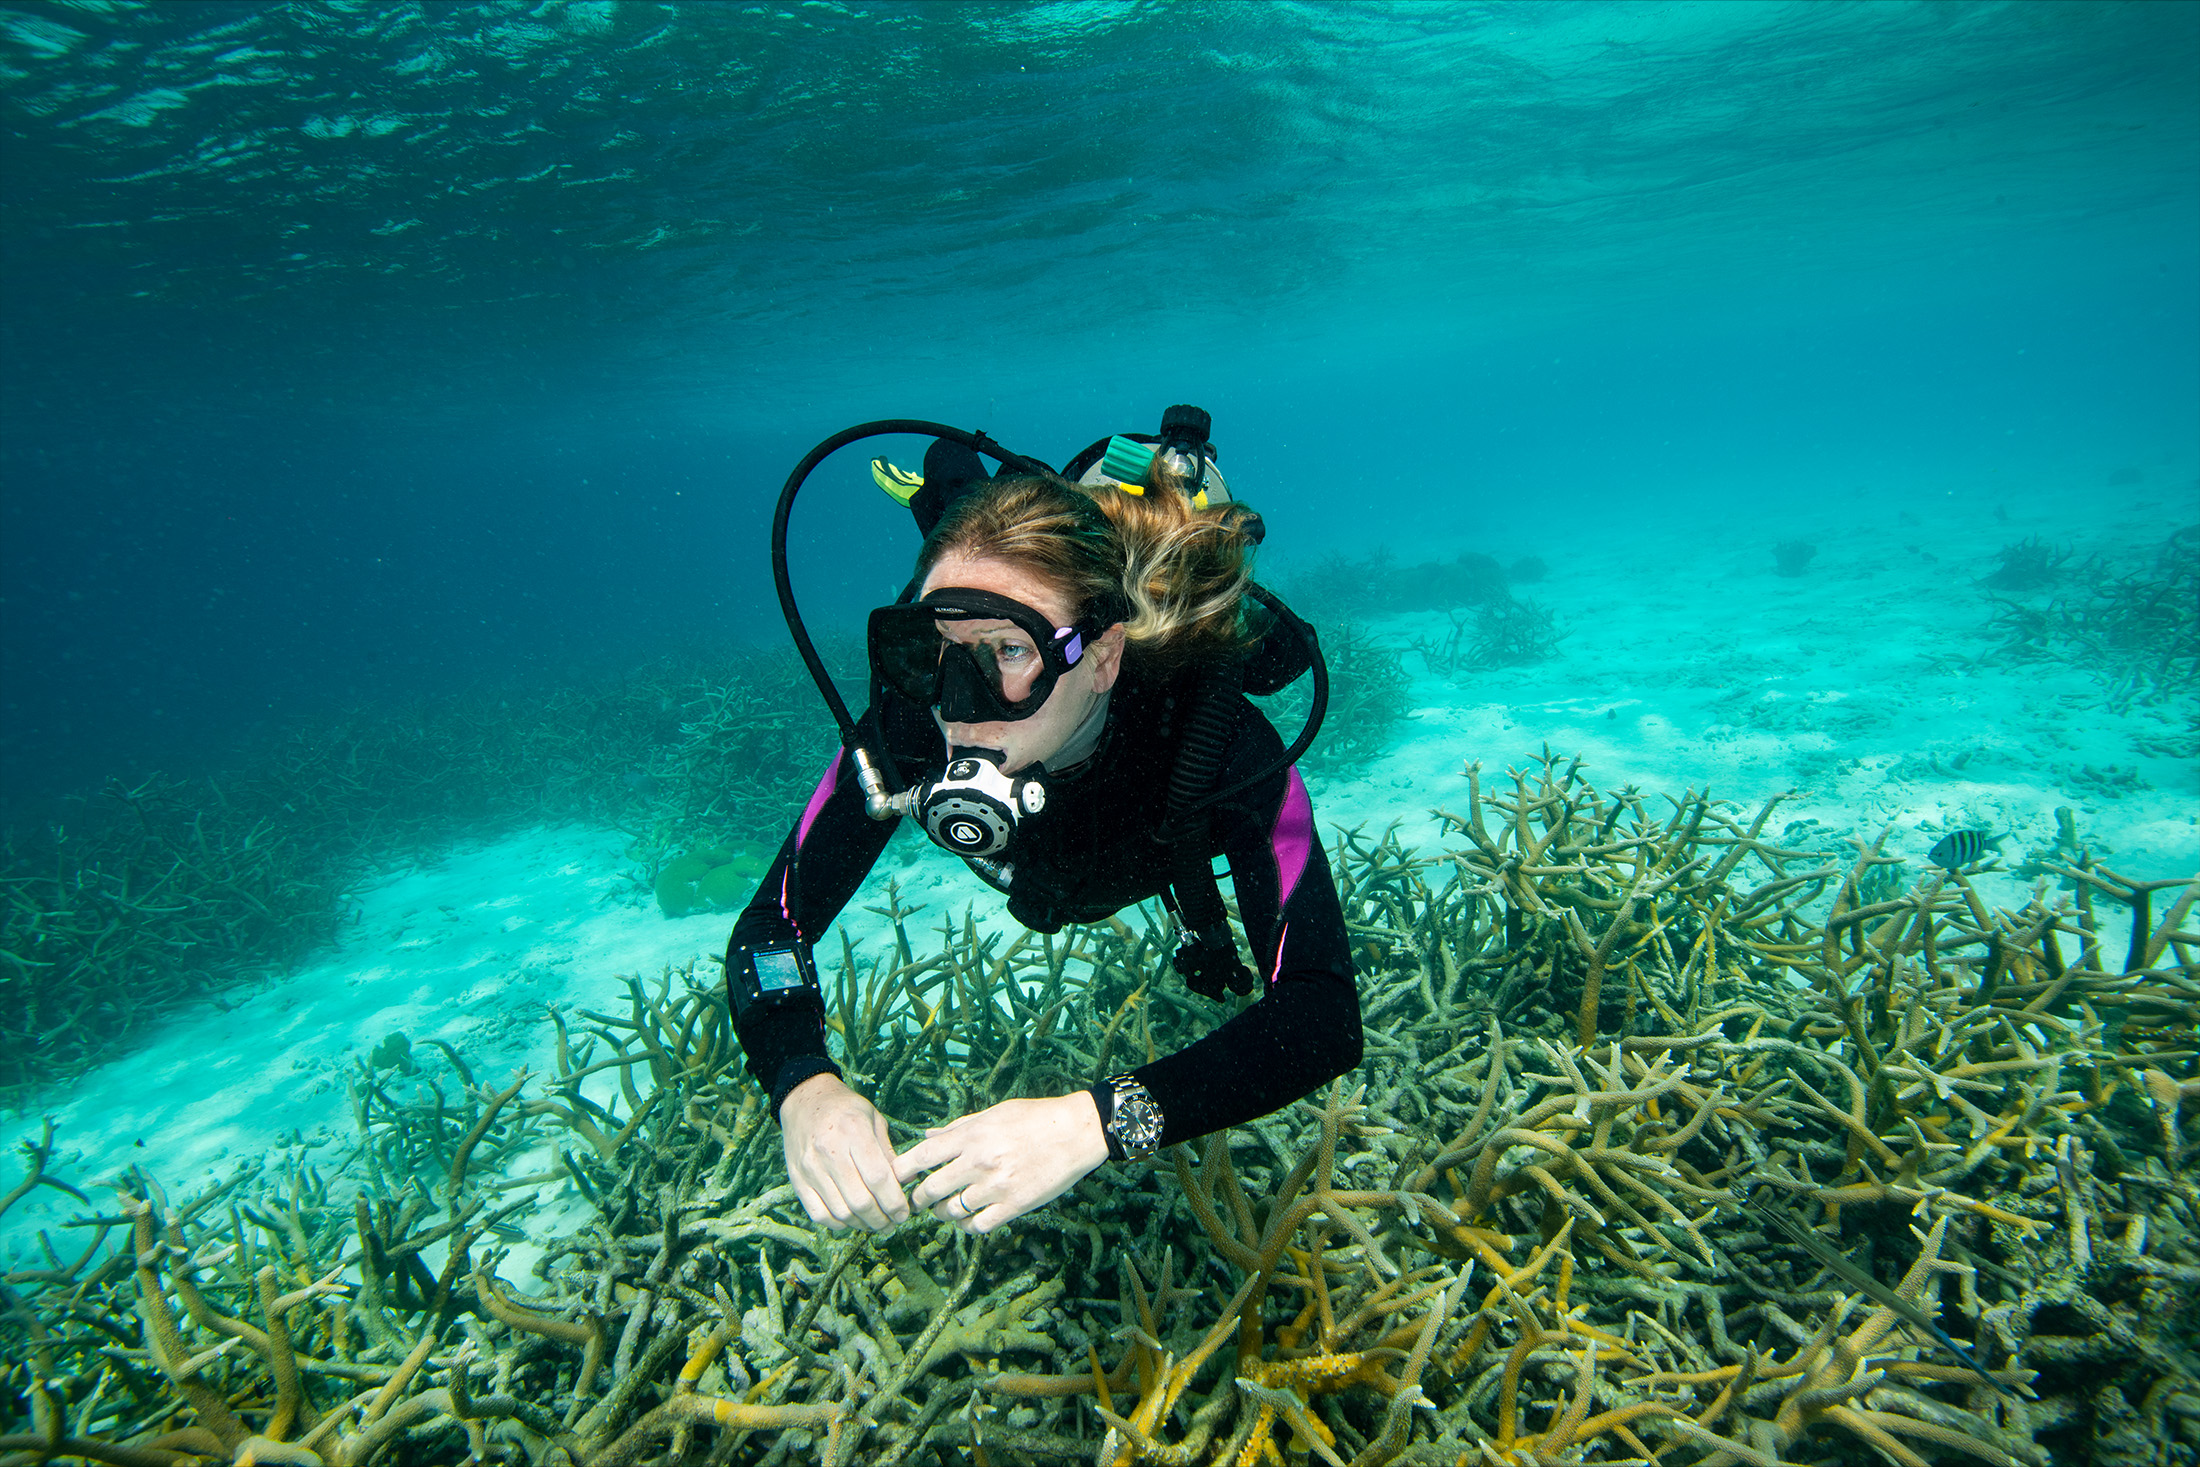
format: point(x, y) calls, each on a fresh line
point(1293, 843)
point(818, 797)
point(810, 812)
point(1293, 839)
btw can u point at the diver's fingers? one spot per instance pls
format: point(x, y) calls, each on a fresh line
point(812, 1204)
point(838, 1215)
point(986, 1219)
point(813, 1186)
point(944, 1185)
point(949, 1209)
point(863, 1208)
point(1015, 1156)
point(875, 1164)
point(948, 1166)
point(836, 1142)
point(934, 1150)
point(866, 1180)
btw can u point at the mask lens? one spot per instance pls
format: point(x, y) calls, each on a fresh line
point(985, 664)
point(985, 680)
point(1004, 655)
point(905, 653)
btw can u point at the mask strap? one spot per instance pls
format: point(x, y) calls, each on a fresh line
point(1080, 633)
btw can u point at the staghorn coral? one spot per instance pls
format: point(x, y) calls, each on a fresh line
point(159, 891)
point(149, 893)
point(2027, 565)
point(1605, 1044)
point(2136, 630)
point(1499, 633)
point(1369, 697)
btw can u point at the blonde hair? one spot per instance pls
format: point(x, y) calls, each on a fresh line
point(1175, 574)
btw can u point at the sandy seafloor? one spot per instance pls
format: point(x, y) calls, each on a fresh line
point(1688, 664)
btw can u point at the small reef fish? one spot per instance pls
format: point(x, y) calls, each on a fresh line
point(1959, 848)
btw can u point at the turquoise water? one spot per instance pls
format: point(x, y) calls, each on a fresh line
point(415, 380)
point(360, 351)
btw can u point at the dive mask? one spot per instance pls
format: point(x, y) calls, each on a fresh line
point(999, 667)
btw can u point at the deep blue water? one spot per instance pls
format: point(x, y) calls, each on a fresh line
point(353, 351)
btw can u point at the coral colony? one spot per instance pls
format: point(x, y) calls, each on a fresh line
point(180, 887)
point(1673, 1143)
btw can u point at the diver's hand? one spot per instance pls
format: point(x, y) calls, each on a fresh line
point(1005, 1160)
point(839, 1156)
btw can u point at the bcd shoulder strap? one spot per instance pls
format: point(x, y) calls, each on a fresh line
point(1207, 954)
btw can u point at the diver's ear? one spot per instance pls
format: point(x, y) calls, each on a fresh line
point(1106, 656)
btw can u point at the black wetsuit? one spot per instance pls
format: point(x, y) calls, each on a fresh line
point(1088, 855)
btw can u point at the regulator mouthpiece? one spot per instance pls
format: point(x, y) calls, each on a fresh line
point(973, 807)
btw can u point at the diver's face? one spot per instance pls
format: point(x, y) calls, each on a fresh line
point(1026, 741)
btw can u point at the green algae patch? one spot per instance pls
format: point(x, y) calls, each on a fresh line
point(709, 879)
point(729, 886)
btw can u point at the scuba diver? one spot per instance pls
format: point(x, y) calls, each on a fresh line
point(1059, 698)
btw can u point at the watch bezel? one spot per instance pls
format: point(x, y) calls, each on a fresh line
point(1136, 1121)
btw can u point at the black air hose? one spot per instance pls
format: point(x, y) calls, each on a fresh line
point(1212, 718)
point(1278, 661)
point(1207, 733)
point(977, 442)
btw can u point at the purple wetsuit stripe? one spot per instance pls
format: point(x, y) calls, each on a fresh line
point(1293, 838)
point(818, 797)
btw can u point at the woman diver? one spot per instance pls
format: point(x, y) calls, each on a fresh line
point(1080, 641)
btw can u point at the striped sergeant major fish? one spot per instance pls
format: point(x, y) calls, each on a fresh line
point(1959, 848)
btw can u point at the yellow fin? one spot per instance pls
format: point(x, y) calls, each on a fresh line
point(900, 485)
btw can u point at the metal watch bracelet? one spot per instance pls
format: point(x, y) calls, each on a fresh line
point(1131, 1117)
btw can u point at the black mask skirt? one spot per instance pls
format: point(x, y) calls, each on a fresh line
point(969, 681)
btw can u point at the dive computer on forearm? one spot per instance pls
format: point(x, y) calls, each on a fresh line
point(764, 977)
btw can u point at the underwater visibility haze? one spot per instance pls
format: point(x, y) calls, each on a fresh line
point(1743, 460)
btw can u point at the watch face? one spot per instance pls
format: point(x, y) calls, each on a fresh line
point(1137, 1120)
